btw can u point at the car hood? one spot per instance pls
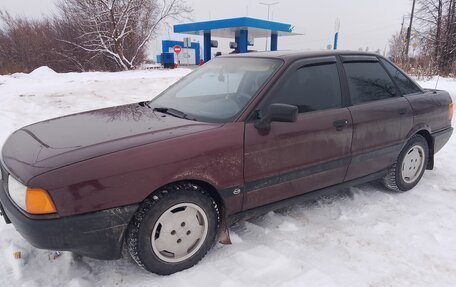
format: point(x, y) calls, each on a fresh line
point(47, 145)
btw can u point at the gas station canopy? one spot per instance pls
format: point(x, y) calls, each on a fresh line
point(227, 28)
point(241, 29)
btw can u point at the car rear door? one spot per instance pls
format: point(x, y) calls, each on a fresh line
point(382, 118)
point(314, 152)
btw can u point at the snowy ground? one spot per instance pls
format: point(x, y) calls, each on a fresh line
point(365, 237)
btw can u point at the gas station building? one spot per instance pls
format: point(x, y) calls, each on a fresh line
point(192, 52)
point(242, 30)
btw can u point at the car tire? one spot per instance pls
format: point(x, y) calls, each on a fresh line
point(173, 229)
point(407, 171)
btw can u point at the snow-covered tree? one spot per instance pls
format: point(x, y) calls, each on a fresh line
point(118, 29)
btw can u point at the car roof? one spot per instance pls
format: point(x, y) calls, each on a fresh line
point(290, 55)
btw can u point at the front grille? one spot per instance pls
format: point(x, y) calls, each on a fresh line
point(3, 176)
point(1, 171)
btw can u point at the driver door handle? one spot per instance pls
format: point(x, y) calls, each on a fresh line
point(340, 124)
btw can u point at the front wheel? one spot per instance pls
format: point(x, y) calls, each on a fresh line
point(174, 229)
point(410, 165)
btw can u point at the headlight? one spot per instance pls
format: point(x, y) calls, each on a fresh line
point(17, 192)
point(32, 200)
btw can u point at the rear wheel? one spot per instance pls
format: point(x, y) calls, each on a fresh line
point(174, 229)
point(410, 165)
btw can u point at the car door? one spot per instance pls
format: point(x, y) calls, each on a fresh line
point(382, 118)
point(314, 152)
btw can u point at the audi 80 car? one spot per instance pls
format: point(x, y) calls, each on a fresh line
point(242, 134)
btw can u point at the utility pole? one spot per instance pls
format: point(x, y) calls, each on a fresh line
point(269, 6)
point(402, 26)
point(409, 31)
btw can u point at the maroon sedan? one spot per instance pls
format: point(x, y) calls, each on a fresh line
point(243, 134)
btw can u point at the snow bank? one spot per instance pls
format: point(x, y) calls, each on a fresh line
point(364, 237)
point(42, 72)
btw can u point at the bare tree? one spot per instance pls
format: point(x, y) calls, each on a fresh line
point(436, 32)
point(85, 35)
point(448, 57)
point(396, 47)
point(118, 29)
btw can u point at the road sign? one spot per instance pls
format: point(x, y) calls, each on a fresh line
point(177, 49)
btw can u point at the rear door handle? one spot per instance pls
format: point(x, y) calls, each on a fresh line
point(340, 124)
point(402, 111)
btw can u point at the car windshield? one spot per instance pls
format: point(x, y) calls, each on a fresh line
point(218, 91)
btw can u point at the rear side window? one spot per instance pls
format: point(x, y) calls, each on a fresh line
point(405, 85)
point(311, 88)
point(368, 81)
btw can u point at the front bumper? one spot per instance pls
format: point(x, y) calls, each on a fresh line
point(98, 235)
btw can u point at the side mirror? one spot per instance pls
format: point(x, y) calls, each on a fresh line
point(277, 113)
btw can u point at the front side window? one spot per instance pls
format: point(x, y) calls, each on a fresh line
point(368, 81)
point(405, 85)
point(311, 88)
point(219, 90)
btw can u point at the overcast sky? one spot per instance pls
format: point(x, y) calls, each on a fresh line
point(363, 23)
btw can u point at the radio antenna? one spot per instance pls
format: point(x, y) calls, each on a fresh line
point(435, 90)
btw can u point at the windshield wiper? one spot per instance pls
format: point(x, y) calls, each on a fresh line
point(174, 113)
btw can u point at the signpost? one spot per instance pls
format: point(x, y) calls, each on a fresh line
point(177, 50)
point(187, 44)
